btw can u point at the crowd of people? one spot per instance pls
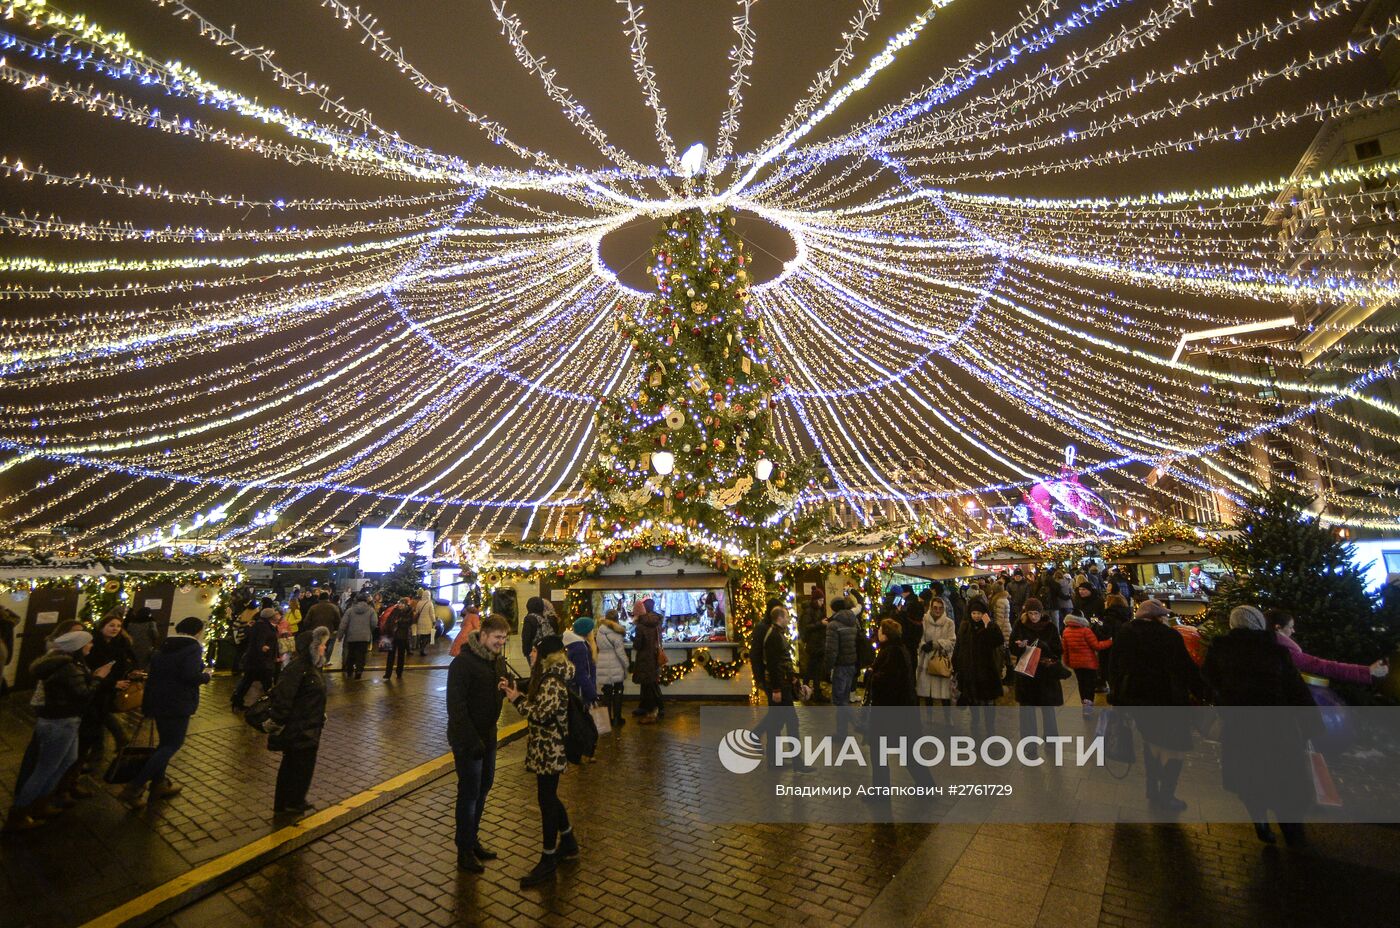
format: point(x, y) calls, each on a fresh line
point(1023, 635)
point(1027, 634)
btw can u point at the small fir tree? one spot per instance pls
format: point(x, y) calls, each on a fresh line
point(704, 394)
point(1284, 558)
point(407, 576)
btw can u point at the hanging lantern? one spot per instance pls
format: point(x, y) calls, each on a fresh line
point(663, 462)
point(762, 468)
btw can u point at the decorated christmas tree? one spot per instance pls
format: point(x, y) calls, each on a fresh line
point(406, 578)
point(692, 441)
point(1286, 559)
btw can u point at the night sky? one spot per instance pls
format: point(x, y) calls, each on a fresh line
point(459, 44)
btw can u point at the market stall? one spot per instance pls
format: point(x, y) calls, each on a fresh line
point(703, 647)
point(1180, 573)
point(36, 597)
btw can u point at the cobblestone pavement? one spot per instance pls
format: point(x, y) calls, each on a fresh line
point(375, 731)
point(651, 852)
point(651, 857)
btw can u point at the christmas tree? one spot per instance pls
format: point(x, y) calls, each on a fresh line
point(1286, 559)
point(693, 441)
point(407, 576)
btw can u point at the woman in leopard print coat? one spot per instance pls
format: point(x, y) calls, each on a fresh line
point(545, 705)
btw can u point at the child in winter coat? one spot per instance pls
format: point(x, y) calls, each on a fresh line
point(1081, 648)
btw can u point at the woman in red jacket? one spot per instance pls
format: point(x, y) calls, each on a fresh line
point(1082, 647)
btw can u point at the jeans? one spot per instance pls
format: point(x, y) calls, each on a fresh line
point(781, 717)
point(355, 654)
point(474, 778)
point(171, 732)
point(56, 743)
point(294, 777)
point(397, 654)
point(843, 679)
point(554, 818)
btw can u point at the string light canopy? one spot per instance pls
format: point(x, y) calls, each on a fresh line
point(193, 364)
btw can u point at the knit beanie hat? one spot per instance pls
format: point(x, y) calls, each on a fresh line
point(1032, 605)
point(71, 642)
point(583, 627)
point(1248, 617)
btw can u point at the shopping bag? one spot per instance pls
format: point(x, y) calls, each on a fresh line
point(1029, 662)
point(1324, 787)
point(133, 756)
point(602, 719)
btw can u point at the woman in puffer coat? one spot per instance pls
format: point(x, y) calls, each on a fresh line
point(545, 705)
point(1082, 645)
point(612, 664)
point(298, 716)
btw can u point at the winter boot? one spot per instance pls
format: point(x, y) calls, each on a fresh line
point(133, 796)
point(568, 846)
point(467, 862)
point(1152, 775)
point(484, 853)
point(543, 872)
point(1263, 832)
point(19, 820)
point(165, 789)
point(1166, 791)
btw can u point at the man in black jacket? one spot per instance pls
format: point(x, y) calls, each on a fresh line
point(171, 698)
point(260, 656)
point(782, 685)
point(473, 705)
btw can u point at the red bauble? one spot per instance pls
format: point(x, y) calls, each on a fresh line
point(729, 381)
point(680, 494)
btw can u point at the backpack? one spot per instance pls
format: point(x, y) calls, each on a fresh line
point(580, 732)
point(865, 648)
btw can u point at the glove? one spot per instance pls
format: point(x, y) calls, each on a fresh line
point(271, 727)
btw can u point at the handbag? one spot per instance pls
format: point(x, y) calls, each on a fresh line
point(1029, 662)
point(1116, 730)
point(1324, 787)
point(126, 766)
point(602, 719)
point(129, 699)
point(939, 665)
point(661, 659)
